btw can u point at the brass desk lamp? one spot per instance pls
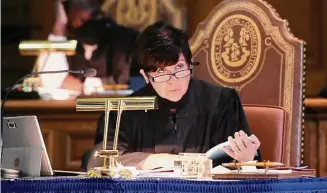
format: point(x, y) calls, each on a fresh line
point(110, 165)
point(36, 47)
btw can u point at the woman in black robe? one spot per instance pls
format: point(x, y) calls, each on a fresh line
point(193, 115)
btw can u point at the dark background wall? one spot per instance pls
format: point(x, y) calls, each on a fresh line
point(33, 19)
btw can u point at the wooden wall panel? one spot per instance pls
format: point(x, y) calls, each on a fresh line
point(78, 138)
point(322, 138)
point(42, 15)
point(197, 11)
point(310, 144)
point(323, 39)
point(315, 135)
point(48, 138)
point(22, 20)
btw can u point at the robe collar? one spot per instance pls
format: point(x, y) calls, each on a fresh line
point(165, 104)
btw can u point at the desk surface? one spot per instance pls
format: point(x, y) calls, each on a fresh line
point(309, 102)
point(98, 185)
point(40, 104)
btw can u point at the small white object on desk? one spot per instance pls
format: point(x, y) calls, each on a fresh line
point(220, 170)
point(115, 92)
point(160, 172)
point(56, 93)
point(92, 85)
point(223, 170)
point(249, 168)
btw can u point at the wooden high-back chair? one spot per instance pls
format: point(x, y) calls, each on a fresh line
point(244, 44)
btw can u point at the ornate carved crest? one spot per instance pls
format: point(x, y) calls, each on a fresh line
point(236, 46)
point(141, 13)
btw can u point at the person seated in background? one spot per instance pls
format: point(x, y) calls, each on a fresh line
point(68, 18)
point(193, 115)
point(102, 44)
point(107, 47)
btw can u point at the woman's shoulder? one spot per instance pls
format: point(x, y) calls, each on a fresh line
point(209, 89)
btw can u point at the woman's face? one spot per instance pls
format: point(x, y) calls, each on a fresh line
point(78, 16)
point(172, 89)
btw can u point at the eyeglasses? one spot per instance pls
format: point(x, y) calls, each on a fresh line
point(167, 77)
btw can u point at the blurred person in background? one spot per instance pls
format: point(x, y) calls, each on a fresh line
point(102, 44)
point(107, 47)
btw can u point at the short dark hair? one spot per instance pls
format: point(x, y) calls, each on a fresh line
point(159, 45)
point(93, 5)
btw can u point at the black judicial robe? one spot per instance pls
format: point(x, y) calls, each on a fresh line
point(204, 117)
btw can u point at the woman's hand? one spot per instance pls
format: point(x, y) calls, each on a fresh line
point(242, 148)
point(72, 83)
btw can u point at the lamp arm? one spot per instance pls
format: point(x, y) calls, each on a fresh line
point(108, 108)
point(121, 107)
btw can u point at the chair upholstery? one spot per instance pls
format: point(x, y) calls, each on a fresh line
point(245, 45)
point(268, 124)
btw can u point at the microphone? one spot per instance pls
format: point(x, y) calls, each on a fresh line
point(88, 72)
point(173, 117)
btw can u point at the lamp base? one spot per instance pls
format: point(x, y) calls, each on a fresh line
point(100, 172)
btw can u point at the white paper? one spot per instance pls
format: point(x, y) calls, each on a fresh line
point(220, 170)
